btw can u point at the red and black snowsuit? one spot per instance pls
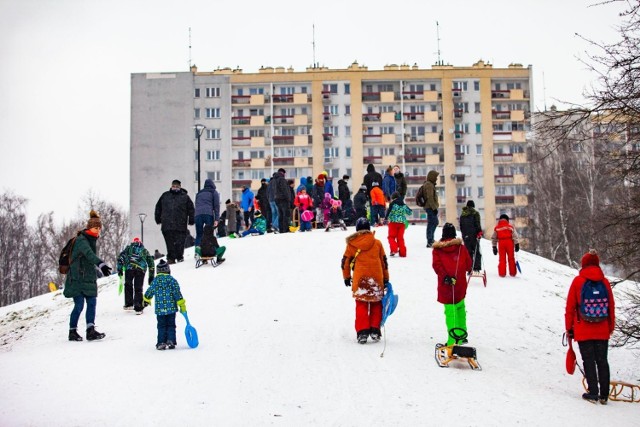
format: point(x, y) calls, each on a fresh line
point(505, 238)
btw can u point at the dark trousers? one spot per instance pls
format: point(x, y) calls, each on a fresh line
point(133, 283)
point(201, 221)
point(175, 243)
point(284, 215)
point(596, 366)
point(471, 243)
point(248, 218)
point(432, 223)
point(166, 328)
point(78, 306)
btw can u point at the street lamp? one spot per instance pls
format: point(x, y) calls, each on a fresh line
point(142, 217)
point(199, 129)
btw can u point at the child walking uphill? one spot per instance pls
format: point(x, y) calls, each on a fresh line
point(365, 256)
point(451, 262)
point(135, 259)
point(168, 299)
point(397, 218)
point(504, 240)
point(592, 330)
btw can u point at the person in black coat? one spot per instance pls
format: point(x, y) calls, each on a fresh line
point(174, 211)
point(263, 200)
point(283, 201)
point(371, 177)
point(360, 202)
point(343, 190)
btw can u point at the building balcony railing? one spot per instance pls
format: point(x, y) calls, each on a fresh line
point(240, 120)
point(457, 113)
point(370, 96)
point(283, 161)
point(504, 200)
point(503, 157)
point(458, 135)
point(240, 99)
point(414, 158)
point(282, 98)
point(240, 141)
point(372, 138)
point(414, 117)
point(500, 115)
point(461, 199)
point(416, 179)
point(376, 160)
point(241, 163)
point(283, 140)
point(417, 95)
point(326, 118)
point(456, 93)
point(327, 137)
point(459, 157)
point(237, 183)
point(503, 179)
point(326, 96)
point(371, 117)
point(458, 178)
point(288, 119)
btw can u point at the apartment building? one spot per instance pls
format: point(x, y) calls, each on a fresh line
point(468, 123)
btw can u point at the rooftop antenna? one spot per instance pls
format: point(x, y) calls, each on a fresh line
point(189, 48)
point(438, 40)
point(313, 43)
point(544, 92)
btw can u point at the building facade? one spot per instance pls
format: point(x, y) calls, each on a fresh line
point(468, 123)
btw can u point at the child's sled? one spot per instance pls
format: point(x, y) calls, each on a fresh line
point(211, 260)
point(619, 391)
point(294, 225)
point(446, 354)
point(481, 274)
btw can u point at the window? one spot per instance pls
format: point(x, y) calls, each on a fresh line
point(347, 110)
point(476, 106)
point(213, 113)
point(257, 154)
point(331, 152)
point(196, 113)
point(347, 88)
point(256, 91)
point(348, 151)
point(330, 88)
point(333, 109)
point(213, 155)
point(476, 85)
point(432, 87)
point(479, 149)
point(480, 192)
point(196, 92)
point(213, 92)
point(213, 133)
point(388, 130)
point(479, 171)
point(215, 176)
point(460, 85)
point(478, 127)
point(347, 131)
point(287, 90)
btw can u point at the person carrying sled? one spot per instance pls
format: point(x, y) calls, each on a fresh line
point(504, 241)
point(592, 328)
point(397, 220)
point(471, 231)
point(135, 260)
point(365, 256)
point(169, 299)
point(451, 262)
point(81, 283)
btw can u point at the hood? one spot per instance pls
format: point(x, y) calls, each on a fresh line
point(433, 176)
point(450, 245)
point(399, 175)
point(181, 191)
point(303, 180)
point(592, 272)
point(371, 168)
point(363, 239)
point(208, 183)
point(466, 211)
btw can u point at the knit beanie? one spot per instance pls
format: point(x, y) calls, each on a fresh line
point(448, 231)
point(94, 220)
point(163, 267)
point(363, 224)
point(471, 204)
point(590, 258)
point(504, 216)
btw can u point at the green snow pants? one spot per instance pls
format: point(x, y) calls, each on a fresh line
point(456, 317)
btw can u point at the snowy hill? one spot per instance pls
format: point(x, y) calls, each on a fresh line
point(277, 347)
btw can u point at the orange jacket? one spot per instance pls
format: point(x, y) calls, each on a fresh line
point(377, 196)
point(370, 270)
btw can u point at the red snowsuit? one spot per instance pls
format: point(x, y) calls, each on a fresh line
point(505, 238)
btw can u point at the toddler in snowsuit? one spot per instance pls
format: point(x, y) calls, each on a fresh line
point(258, 227)
point(397, 220)
point(365, 256)
point(209, 246)
point(335, 215)
point(504, 240)
point(378, 204)
point(135, 260)
point(451, 262)
point(168, 299)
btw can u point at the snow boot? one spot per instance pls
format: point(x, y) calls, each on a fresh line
point(375, 334)
point(161, 346)
point(171, 345)
point(93, 335)
point(591, 398)
point(362, 336)
point(74, 335)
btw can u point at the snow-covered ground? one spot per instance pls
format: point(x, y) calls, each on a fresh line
point(277, 347)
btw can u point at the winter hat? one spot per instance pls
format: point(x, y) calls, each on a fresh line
point(321, 177)
point(590, 258)
point(282, 171)
point(471, 204)
point(336, 203)
point(94, 220)
point(371, 168)
point(504, 216)
point(136, 240)
point(448, 231)
point(263, 180)
point(363, 224)
point(227, 202)
point(163, 267)
point(345, 176)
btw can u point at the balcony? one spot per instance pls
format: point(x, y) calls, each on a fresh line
point(288, 119)
point(241, 141)
point(375, 160)
point(504, 200)
point(500, 115)
point(458, 135)
point(326, 96)
point(241, 120)
point(282, 99)
point(370, 96)
point(241, 163)
point(283, 140)
point(327, 138)
point(459, 157)
point(414, 117)
point(371, 117)
point(505, 94)
point(458, 178)
point(503, 157)
point(240, 99)
point(457, 114)
point(456, 93)
point(326, 118)
point(414, 158)
point(371, 138)
point(283, 161)
point(238, 183)
point(416, 179)
point(461, 200)
point(503, 179)
point(415, 95)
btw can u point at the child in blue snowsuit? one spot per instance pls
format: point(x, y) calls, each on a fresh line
point(168, 299)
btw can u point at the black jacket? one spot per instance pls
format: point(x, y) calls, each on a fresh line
point(343, 191)
point(371, 177)
point(175, 210)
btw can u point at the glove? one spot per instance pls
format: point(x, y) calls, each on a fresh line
point(347, 282)
point(570, 333)
point(495, 250)
point(517, 247)
point(448, 280)
point(146, 302)
point(182, 305)
point(150, 279)
point(106, 270)
point(119, 273)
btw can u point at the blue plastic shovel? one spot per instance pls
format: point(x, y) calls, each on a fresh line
point(190, 333)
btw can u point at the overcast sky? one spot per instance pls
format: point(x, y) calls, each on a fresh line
point(65, 65)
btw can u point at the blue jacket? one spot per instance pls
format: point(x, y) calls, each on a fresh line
point(388, 185)
point(247, 200)
point(328, 186)
point(208, 200)
point(167, 292)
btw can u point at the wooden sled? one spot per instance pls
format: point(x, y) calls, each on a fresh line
point(482, 274)
point(620, 391)
point(295, 220)
point(445, 354)
point(200, 261)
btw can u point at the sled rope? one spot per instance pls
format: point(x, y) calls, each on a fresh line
point(384, 339)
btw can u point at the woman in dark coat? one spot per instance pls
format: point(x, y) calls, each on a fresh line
point(82, 280)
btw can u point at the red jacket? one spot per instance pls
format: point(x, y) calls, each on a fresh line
point(583, 330)
point(447, 254)
point(303, 201)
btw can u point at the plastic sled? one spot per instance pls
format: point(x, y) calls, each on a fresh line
point(389, 304)
point(190, 333)
point(447, 354)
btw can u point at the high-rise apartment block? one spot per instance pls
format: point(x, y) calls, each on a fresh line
point(468, 123)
